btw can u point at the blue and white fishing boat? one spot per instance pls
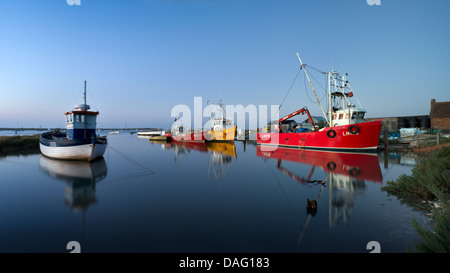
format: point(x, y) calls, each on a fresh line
point(80, 141)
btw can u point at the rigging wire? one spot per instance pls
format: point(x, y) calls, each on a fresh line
point(318, 82)
point(292, 84)
point(306, 89)
point(289, 90)
point(318, 70)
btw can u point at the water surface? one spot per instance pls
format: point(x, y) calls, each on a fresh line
point(162, 197)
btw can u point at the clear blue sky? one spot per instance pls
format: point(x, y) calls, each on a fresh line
point(142, 57)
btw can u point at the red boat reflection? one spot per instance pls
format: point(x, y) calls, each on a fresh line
point(346, 176)
point(361, 166)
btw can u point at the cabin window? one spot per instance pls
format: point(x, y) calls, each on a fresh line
point(334, 116)
point(346, 116)
point(341, 116)
point(67, 118)
point(358, 115)
point(82, 118)
point(77, 118)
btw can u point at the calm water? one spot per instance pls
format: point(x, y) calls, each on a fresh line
point(215, 198)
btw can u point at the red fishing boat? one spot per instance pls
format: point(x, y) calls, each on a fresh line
point(187, 137)
point(181, 134)
point(345, 128)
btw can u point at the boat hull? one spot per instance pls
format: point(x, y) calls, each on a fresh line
point(192, 137)
point(158, 138)
point(72, 149)
point(339, 138)
point(150, 133)
point(227, 134)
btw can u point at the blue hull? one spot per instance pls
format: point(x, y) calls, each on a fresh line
point(60, 140)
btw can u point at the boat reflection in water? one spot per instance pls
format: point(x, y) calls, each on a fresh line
point(80, 178)
point(345, 176)
point(223, 154)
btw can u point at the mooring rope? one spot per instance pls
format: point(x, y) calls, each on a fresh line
point(132, 161)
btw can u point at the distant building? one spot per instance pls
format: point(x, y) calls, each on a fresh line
point(318, 121)
point(292, 126)
point(440, 115)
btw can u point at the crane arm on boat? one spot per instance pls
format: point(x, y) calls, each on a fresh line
point(301, 111)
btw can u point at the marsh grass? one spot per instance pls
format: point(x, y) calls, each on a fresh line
point(430, 180)
point(12, 145)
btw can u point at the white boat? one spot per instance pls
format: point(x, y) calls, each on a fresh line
point(80, 141)
point(151, 133)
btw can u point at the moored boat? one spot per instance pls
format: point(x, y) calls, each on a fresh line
point(346, 128)
point(190, 136)
point(154, 135)
point(80, 141)
point(150, 133)
point(163, 136)
point(158, 138)
point(222, 128)
point(181, 134)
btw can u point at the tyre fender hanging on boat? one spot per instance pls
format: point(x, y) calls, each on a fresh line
point(331, 133)
point(353, 129)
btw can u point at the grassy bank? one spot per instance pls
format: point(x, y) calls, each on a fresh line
point(11, 145)
point(430, 181)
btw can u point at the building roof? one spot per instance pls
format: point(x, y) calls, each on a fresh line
point(440, 110)
point(288, 121)
point(316, 119)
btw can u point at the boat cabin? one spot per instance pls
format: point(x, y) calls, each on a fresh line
point(81, 123)
point(347, 116)
point(218, 124)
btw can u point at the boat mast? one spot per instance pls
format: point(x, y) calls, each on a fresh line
point(304, 69)
point(329, 98)
point(85, 109)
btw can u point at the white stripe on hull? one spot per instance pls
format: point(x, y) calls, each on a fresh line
point(317, 148)
point(80, 152)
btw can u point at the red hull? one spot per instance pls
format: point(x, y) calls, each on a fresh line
point(358, 165)
point(194, 137)
point(364, 139)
